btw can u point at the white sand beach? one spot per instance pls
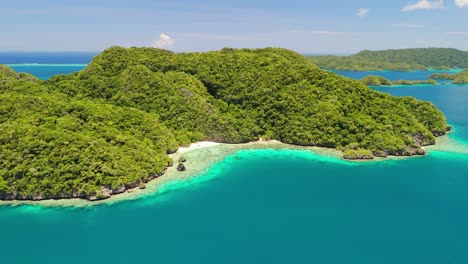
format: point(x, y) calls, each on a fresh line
point(202, 155)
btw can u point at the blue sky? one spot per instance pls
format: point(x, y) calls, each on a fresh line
point(325, 26)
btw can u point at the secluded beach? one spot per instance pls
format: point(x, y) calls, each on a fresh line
point(202, 155)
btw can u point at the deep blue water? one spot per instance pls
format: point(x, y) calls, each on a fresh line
point(272, 206)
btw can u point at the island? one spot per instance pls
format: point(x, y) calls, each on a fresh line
point(372, 80)
point(457, 78)
point(111, 126)
point(396, 60)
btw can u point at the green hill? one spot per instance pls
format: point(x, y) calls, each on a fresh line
point(457, 78)
point(109, 127)
point(398, 60)
point(461, 78)
point(54, 146)
point(372, 80)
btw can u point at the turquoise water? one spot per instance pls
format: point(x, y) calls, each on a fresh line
point(393, 75)
point(45, 71)
point(46, 64)
point(272, 206)
point(451, 99)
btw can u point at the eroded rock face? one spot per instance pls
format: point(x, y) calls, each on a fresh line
point(119, 189)
point(421, 152)
point(155, 175)
point(406, 152)
point(107, 192)
point(16, 196)
point(438, 134)
point(103, 194)
point(181, 167)
point(381, 154)
point(358, 157)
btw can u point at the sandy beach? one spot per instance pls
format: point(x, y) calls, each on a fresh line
point(202, 155)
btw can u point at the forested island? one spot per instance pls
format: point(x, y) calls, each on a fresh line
point(372, 80)
point(396, 60)
point(110, 127)
point(457, 78)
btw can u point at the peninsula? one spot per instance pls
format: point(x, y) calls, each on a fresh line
point(396, 60)
point(372, 80)
point(457, 78)
point(111, 126)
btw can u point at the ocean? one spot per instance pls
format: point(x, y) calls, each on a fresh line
point(44, 64)
point(272, 206)
point(396, 75)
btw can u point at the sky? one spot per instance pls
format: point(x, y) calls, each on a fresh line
point(306, 26)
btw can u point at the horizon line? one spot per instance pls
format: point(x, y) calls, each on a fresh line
point(309, 53)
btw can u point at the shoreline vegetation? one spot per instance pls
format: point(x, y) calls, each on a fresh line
point(113, 126)
point(456, 78)
point(201, 156)
point(422, 59)
point(372, 80)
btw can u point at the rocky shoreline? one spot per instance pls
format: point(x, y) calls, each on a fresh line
point(188, 167)
point(105, 192)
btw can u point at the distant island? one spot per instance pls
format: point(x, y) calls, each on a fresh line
point(111, 126)
point(372, 80)
point(396, 60)
point(457, 78)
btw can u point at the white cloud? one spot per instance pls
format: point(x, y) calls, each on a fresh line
point(423, 4)
point(461, 3)
point(164, 42)
point(362, 12)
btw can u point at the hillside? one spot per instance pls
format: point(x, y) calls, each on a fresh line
point(54, 146)
point(109, 127)
point(457, 78)
point(372, 80)
point(397, 60)
point(461, 78)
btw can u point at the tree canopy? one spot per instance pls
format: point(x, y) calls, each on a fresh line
point(396, 60)
point(372, 80)
point(110, 126)
point(457, 78)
